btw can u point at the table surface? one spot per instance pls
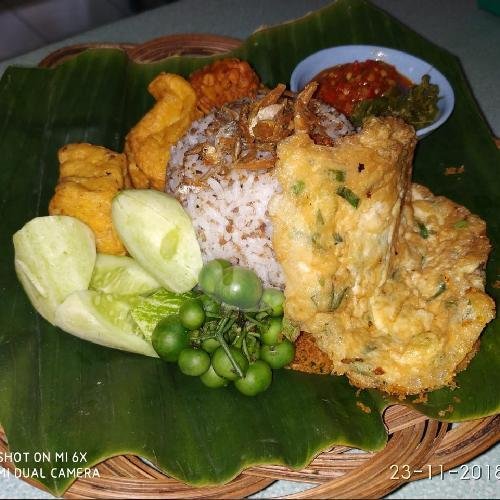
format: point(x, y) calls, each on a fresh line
point(457, 25)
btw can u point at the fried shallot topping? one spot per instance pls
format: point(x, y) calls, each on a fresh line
point(303, 117)
point(245, 133)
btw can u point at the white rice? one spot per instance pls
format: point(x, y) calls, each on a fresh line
point(229, 212)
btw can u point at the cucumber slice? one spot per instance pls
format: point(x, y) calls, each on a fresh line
point(103, 319)
point(121, 275)
point(54, 257)
point(159, 234)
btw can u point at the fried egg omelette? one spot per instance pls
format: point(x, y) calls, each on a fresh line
point(386, 277)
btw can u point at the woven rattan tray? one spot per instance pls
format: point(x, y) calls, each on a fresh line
point(421, 443)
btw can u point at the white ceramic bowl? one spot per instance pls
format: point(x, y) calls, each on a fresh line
point(406, 64)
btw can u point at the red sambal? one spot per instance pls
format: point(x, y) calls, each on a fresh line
point(345, 85)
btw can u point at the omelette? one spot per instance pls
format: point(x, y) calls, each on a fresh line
point(386, 277)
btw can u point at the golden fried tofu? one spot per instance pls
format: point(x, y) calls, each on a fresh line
point(87, 160)
point(147, 145)
point(90, 176)
point(386, 277)
point(223, 81)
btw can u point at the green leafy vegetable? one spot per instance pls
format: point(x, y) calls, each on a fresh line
point(337, 238)
point(417, 106)
point(319, 218)
point(298, 187)
point(337, 175)
point(290, 330)
point(337, 299)
point(461, 224)
point(440, 289)
point(349, 196)
point(424, 232)
point(162, 303)
point(54, 256)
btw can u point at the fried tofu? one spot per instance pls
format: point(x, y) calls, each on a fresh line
point(147, 145)
point(385, 277)
point(89, 161)
point(89, 178)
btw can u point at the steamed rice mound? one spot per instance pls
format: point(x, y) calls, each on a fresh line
point(222, 172)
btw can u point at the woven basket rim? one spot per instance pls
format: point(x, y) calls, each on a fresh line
point(202, 44)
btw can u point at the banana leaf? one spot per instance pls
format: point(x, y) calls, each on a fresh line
point(81, 403)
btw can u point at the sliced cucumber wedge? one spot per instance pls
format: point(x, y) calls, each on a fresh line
point(103, 319)
point(159, 234)
point(54, 257)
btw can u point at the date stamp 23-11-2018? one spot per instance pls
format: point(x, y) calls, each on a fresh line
point(466, 472)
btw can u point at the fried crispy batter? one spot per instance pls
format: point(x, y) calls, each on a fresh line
point(223, 81)
point(89, 178)
point(387, 277)
point(147, 145)
point(309, 357)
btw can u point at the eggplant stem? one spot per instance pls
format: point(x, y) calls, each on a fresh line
point(245, 349)
point(253, 320)
point(220, 337)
